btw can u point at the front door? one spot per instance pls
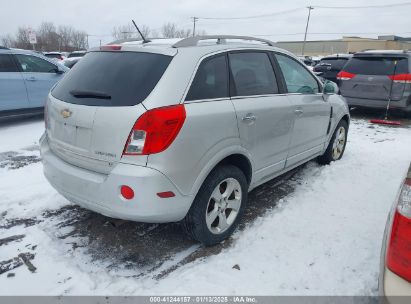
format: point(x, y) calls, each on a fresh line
point(312, 112)
point(265, 117)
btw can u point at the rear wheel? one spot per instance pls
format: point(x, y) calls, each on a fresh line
point(218, 206)
point(336, 146)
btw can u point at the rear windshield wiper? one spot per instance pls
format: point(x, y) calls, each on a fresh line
point(90, 94)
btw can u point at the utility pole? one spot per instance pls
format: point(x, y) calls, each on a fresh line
point(306, 28)
point(195, 19)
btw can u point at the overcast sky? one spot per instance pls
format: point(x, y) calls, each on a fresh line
point(97, 17)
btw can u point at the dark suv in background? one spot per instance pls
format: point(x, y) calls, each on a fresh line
point(372, 78)
point(330, 66)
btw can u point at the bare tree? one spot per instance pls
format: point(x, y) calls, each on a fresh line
point(123, 31)
point(65, 33)
point(22, 38)
point(7, 41)
point(170, 30)
point(48, 39)
point(128, 31)
point(79, 40)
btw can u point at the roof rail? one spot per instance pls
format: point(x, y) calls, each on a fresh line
point(4, 48)
point(221, 39)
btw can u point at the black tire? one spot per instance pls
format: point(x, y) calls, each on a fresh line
point(328, 157)
point(195, 224)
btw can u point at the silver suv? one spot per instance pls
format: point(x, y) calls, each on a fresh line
point(157, 132)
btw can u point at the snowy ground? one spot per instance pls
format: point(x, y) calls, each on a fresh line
point(315, 231)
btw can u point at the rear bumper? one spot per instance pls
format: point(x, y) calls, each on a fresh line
point(379, 104)
point(101, 192)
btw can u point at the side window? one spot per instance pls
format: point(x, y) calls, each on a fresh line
point(253, 74)
point(7, 64)
point(34, 64)
point(211, 80)
point(297, 78)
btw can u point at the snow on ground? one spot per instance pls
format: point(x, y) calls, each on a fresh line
point(324, 238)
point(15, 136)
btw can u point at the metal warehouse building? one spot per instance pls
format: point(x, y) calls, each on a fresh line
point(346, 45)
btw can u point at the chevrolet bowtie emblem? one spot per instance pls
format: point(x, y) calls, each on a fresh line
point(66, 113)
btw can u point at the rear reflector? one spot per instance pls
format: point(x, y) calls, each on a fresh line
point(127, 192)
point(401, 78)
point(399, 246)
point(155, 130)
point(343, 75)
point(166, 194)
point(110, 47)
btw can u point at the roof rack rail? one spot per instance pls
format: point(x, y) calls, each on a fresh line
point(4, 48)
point(221, 39)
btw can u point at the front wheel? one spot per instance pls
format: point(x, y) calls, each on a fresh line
point(218, 206)
point(336, 146)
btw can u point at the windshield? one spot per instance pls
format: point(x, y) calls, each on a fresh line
point(112, 78)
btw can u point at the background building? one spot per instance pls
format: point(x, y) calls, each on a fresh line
point(346, 45)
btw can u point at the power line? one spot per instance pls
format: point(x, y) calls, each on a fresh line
point(301, 8)
point(252, 17)
point(365, 6)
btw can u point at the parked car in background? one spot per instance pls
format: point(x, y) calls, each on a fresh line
point(54, 55)
point(26, 78)
point(308, 61)
point(77, 54)
point(330, 66)
point(157, 133)
point(395, 272)
point(70, 62)
point(372, 78)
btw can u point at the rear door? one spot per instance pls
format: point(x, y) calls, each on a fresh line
point(39, 76)
point(13, 94)
point(264, 116)
point(93, 109)
point(370, 77)
point(312, 113)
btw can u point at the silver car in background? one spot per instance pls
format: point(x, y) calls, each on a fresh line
point(154, 132)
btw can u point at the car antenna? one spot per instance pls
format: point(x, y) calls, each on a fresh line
point(141, 34)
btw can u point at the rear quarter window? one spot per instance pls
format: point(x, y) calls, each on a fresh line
point(377, 66)
point(112, 78)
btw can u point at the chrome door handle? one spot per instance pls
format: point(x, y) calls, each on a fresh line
point(249, 118)
point(31, 79)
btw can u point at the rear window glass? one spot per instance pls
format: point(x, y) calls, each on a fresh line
point(377, 65)
point(334, 62)
point(80, 54)
point(53, 55)
point(112, 78)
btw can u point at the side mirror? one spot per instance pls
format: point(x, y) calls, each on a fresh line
point(58, 70)
point(330, 88)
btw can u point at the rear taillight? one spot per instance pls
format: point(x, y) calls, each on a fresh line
point(401, 78)
point(155, 130)
point(343, 75)
point(399, 246)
